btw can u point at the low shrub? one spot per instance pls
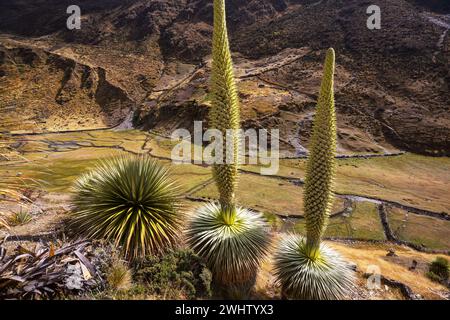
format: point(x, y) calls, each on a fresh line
point(20, 218)
point(118, 276)
point(177, 274)
point(434, 277)
point(439, 269)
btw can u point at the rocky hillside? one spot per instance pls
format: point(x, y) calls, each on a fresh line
point(149, 60)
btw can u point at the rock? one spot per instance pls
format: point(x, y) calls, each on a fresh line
point(75, 280)
point(352, 266)
point(413, 265)
point(391, 253)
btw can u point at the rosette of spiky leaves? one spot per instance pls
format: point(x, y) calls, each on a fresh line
point(232, 243)
point(224, 115)
point(326, 277)
point(320, 172)
point(130, 200)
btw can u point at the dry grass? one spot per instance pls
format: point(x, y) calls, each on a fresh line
point(3, 223)
point(413, 180)
point(12, 184)
point(119, 276)
point(365, 255)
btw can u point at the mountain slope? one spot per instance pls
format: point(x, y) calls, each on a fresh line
point(393, 84)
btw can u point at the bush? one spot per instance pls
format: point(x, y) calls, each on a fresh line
point(131, 201)
point(176, 274)
point(439, 270)
point(434, 277)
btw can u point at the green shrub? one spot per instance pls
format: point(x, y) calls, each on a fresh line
point(173, 275)
point(131, 201)
point(439, 269)
point(434, 277)
point(19, 218)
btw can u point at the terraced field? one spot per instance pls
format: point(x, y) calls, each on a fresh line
point(405, 183)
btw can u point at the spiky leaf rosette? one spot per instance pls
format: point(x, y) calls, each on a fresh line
point(130, 200)
point(232, 243)
point(318, 196)
point(327, 277)
point(224, 114)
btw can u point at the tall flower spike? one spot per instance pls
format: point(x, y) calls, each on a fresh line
point(307, 268)
point(321, 167)
point(224, 114)
point(232, 240)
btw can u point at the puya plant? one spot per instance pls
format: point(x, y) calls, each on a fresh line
point(306, 268)
point(231, 239)
point(131, 201)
